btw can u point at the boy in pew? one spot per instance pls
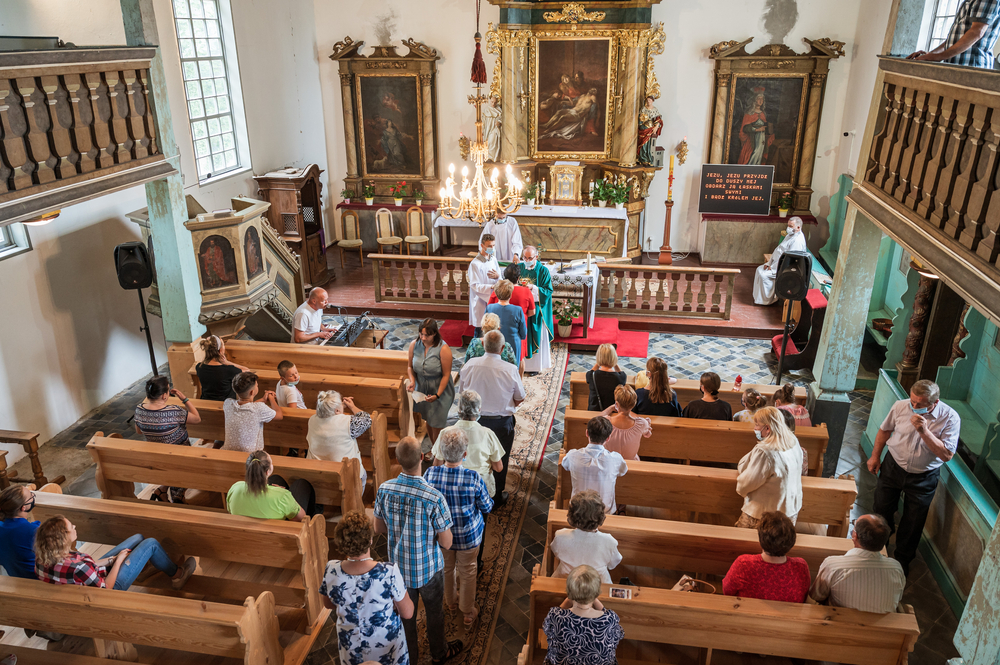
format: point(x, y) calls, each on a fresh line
point(245, 418)
point(584, 544)
point(595, 467)
point(288, 395)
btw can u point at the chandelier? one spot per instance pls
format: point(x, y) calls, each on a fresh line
point(482, 199)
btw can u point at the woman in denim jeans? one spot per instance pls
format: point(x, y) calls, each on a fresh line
point(56, 562)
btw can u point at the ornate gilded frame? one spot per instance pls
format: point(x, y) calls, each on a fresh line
point(612, 38)
point(359, 78)
point(774, 61)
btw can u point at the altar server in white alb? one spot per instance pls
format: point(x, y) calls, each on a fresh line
point(763, 283)
point(482, 275)
point(504, 228)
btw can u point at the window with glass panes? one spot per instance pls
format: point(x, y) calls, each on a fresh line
point(941, 22)
point(206, 86)
point(6, 241)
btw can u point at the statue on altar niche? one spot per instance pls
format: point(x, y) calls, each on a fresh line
point(491, 129)
point(650, 126)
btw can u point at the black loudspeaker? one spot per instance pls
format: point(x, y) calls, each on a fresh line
point(132, 266)
point(791, 282)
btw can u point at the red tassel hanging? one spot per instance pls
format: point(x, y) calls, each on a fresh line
point(478, 66)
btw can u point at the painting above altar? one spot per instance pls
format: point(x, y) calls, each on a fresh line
point(390, 129)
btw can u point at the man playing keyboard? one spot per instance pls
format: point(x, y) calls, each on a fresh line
point(307, 324)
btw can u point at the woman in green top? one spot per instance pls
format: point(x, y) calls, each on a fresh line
point(268, 496)
point(476, 348)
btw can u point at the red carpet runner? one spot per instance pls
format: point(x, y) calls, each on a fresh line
point(629, 344)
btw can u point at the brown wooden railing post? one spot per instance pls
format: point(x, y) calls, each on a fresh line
point(378, 277)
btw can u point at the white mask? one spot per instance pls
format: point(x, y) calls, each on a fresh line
point(791, 230)
point(530, 265)
point(490, 251)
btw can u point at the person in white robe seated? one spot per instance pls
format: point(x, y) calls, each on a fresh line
point(504, 228)
point(763, 283)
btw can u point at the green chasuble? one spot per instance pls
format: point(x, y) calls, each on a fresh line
point(541, 278)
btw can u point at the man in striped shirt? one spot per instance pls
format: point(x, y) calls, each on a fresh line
point(863, 579)
point(971, 38)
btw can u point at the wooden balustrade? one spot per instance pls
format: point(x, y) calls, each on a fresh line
point(932, 169)
point(74, 124)
point(667, 291)
point(653, 290)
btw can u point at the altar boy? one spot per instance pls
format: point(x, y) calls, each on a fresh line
point(484, 271)
point(507, 233)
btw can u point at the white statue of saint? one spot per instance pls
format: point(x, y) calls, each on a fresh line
point(491, 129)
point(763, 283)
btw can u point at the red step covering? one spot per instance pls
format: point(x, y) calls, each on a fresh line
point(629, 344)
point(790, 347)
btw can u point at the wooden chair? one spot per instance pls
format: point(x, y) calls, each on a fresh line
point(383, 222)
point(415, 229)
point(28, 441)
point(350, 235)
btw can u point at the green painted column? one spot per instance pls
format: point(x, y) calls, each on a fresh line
point(839, 352)
point(978, 636)
point(176, 267)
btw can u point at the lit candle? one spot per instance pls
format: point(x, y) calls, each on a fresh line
point(592, 185)
point(588, 262)
point(671, 166)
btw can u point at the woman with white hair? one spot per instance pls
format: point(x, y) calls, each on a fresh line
point(476, 348)
point(770, 475)
point(484, 452)
point(333, 434)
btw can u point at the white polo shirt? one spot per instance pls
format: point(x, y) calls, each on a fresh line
point(307, 319)
point(496, 380)
point(907, 446)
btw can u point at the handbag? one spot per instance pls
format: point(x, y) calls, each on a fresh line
point(592, 382)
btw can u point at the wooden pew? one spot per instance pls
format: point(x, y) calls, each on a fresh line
point(122, 462)
point(700, 440)
point(370, 394)
point(687, 391)
point(712, 491)
point(284, 558)
point(341, 361)
point(181, 631)
point(705, 549)
point(654, 618)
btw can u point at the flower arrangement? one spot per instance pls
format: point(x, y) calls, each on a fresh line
point(419, 195)
point(346, 193)
point(565, 311)
point(531, 192)
point(602, 189)
point(618, 192)
point(398, 190)
point(368, 191)
point(785, 201)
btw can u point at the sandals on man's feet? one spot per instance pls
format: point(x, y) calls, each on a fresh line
point(454, 648)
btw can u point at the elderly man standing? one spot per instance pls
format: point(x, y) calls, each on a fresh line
point(862, 579)
point(763, 283)
point(499, 384)
point(921, 434)
point(507, 233)
point(417, 520)
point(539, 356)
point(484, 452)
point(483, 273)
point(307, 323)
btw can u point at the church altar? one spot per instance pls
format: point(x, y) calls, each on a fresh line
point(575, 230)
point(576, 276)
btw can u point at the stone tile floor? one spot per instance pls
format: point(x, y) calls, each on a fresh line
point(688, 356)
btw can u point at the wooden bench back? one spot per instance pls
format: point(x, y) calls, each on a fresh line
point(319, 359)
point(122, 462)
point(690, 548)
point(712, 491)
point(748, 625)
point(700, 440)
point(687, 391)
point(370, 394)
point(298, 546)
point(248, 632)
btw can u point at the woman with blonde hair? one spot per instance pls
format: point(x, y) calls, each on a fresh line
point(770, 475)
point(753, 401)
point(216, 372)
point(476, 348)
point(581, 630)
point(603, 378)
point(332, 434)
point(657, 398)
point(627, 430)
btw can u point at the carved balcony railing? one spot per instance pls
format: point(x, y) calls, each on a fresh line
point(429, 280)
point(75, 124)
point(932, 172)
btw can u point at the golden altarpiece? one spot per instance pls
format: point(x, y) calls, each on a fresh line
point(571, 80)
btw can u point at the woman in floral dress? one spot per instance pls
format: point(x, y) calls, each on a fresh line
point(369, 598)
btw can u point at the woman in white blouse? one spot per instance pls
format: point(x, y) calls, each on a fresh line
point(770, 475)
point(333, 434)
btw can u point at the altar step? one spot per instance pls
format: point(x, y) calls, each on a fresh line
point(628, 343)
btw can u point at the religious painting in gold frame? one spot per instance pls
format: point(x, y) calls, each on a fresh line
point(572, 106)
point(765, 123)
point(390, 125)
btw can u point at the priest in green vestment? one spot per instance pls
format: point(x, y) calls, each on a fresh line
point(536, 276)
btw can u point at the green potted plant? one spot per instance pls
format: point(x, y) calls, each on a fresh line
point(420, 196)
point(398, 190)
point(619, 194)
point(601, 192)
point(531, 193)
point(369, 193)
point(784, 204)
point(564, 312)
point(346, 195)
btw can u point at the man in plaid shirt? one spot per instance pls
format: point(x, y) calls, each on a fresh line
point(417, 520)
point(468, 500)
point(972, 36)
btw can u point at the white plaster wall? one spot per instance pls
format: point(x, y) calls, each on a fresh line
point(69, 339)
point(684, 71)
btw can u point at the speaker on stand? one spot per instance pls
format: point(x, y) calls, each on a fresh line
point(135, 272)
point(791, 282)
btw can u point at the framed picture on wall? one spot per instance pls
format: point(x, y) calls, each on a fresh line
point(573, 84)
point(390, 125)
point(764, 127)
